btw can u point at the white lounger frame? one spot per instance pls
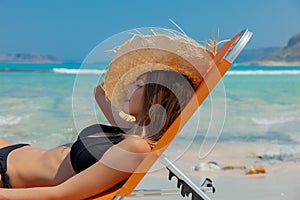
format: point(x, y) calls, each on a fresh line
point(185, 185)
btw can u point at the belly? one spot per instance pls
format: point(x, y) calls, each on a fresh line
point(30, 166)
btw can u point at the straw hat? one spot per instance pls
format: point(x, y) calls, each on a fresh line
point(155, 52)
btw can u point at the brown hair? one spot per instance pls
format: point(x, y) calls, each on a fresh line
point(171, 91)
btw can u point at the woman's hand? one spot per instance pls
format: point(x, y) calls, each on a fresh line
point(99, 90)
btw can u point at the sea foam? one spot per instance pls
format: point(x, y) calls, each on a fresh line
point(11, 120)
point(272, 121)
point(78, 71)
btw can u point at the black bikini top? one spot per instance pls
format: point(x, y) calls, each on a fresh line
point(92, 143)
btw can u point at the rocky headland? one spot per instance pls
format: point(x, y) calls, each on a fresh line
point(29, 58)
point(285, 56)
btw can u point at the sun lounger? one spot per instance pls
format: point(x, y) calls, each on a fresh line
point(223, 60)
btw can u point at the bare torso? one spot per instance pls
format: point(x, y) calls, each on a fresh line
point(30, 166)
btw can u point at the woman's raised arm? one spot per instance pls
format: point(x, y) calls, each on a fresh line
point(111, 114)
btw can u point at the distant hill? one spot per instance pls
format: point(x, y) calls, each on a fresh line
point(272, 56)
point(29, 58)
point(248, 55)
point(286, 56)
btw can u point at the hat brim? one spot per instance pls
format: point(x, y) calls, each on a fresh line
point(152, 53)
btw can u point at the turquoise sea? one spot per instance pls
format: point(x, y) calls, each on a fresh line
point(45, 104)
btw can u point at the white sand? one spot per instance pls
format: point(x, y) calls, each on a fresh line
point(282, 180)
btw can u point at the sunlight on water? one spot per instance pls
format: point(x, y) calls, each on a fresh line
point(36, 105)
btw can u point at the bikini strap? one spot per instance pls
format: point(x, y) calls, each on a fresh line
point(101, 128)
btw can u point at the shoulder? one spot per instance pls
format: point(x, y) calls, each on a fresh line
point(135, 144)
point(133, 150)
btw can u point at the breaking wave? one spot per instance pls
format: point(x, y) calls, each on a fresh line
point(78, 71)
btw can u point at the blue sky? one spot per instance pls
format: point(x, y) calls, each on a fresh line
point(71, 29)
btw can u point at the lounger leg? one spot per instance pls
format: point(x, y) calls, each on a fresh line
point(118, 198)
point(186, 184)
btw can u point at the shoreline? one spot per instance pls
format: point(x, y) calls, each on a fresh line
point(247, 63)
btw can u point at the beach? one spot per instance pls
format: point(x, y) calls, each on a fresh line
point(281, 185)
point(251, 119)
point(281, 180)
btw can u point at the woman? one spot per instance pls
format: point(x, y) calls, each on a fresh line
point(147, 96)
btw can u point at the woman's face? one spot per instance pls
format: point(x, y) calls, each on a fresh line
point(134, 102)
